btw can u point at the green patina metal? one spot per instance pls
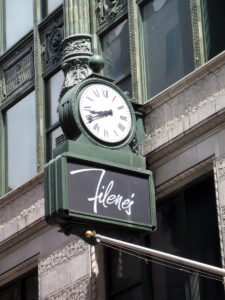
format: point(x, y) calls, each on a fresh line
point(80, 145)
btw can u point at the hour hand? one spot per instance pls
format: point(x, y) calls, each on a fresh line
point(98, 115)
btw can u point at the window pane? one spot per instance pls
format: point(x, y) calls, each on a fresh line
point(115, 47)
point(21, 140)
point(168, 43)
point(10, 293)
point(53, 4)
point(120, 268)
point(54, 85)
point(31, 287)
point(187, 227)
point(19, 20)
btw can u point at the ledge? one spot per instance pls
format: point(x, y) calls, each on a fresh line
point(184, 83)
point(22, 189)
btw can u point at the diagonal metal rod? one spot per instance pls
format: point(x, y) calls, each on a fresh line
point(188, 262)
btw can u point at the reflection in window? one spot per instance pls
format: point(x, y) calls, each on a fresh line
point(19, 20)
point(116, 53)
point(54, 133)
point(187, 227)
point(168, 43)
point(121, 279)
point(53, 4)
point(21, 141)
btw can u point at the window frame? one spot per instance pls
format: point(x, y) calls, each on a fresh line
point(197, 35)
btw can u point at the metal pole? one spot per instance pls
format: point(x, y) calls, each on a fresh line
point(208, 268)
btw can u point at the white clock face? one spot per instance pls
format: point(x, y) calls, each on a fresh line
point(105, 113)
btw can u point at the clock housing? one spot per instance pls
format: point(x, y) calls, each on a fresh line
point(100, 111)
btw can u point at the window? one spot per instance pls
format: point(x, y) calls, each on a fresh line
point(116, 54)
point(18, 20)
point(123, 276)
point(24, 288)
point(48, 6)
point(187, 227)
point(53, 129)
point(168, 43)
point(213, 23)
point(21, 141)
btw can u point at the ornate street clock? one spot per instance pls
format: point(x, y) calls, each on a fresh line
point(98, 111)
point(98, 175)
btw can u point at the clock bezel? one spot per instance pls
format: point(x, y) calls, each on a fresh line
point(78, 119)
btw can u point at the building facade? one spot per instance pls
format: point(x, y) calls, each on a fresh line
point(169, 55)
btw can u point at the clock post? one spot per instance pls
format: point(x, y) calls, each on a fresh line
point(98, 179)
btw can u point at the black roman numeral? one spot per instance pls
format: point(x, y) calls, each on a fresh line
point(120, 107)
point(123, 118)
point(105, 93)
point(121, 127)
point(96, 92)
point(106, 133)
point(96, 127)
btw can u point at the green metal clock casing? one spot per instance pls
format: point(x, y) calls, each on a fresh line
point(100, 110)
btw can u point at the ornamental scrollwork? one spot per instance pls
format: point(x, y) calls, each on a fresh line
point(107, 10)
point(64, 255)
point(221, 168)
point(51, 40)
point(80, 46)
point(78, 290)
point(75, 72)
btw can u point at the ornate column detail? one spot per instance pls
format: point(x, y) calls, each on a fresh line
point(219, 178)
point(77, 45)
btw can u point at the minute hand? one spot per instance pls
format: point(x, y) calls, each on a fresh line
point(98, 115)
point(101, 112)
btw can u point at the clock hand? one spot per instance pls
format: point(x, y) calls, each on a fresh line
point(101, 114)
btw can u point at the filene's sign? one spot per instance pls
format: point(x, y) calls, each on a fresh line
point(100, 193)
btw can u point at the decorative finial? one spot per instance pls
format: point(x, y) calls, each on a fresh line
point(89, 234)
point(96, 63)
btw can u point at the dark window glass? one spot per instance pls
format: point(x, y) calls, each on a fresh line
point(23, 288)
point(115, 47)
point(187, 227)
point(168, 44)
point(213, 13)
point(21, 141)
point(123, 276)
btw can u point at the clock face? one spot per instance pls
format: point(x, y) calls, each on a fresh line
point(105, 113)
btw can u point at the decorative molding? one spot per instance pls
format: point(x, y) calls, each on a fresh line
point(134, 48)
point(181, 179)
point(63, 255)
point(51, 43)
point(19, 270)
point(220, 215)
point(220, 166)
point(75, 71)
point(25, 235)
point(204, 127)
point(79, 290)
point(223, 218)
point(77, 45)
point(108, 11)
point(198, 59)
point(36, 207)
point(17, 73)
point(22, 189)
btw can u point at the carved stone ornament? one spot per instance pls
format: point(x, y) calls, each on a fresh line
point(107, 10)
point(63, 255)
point(77, 45)
point(221, 169)
point(78, 290)
point(75, 71)
point(51, 39)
